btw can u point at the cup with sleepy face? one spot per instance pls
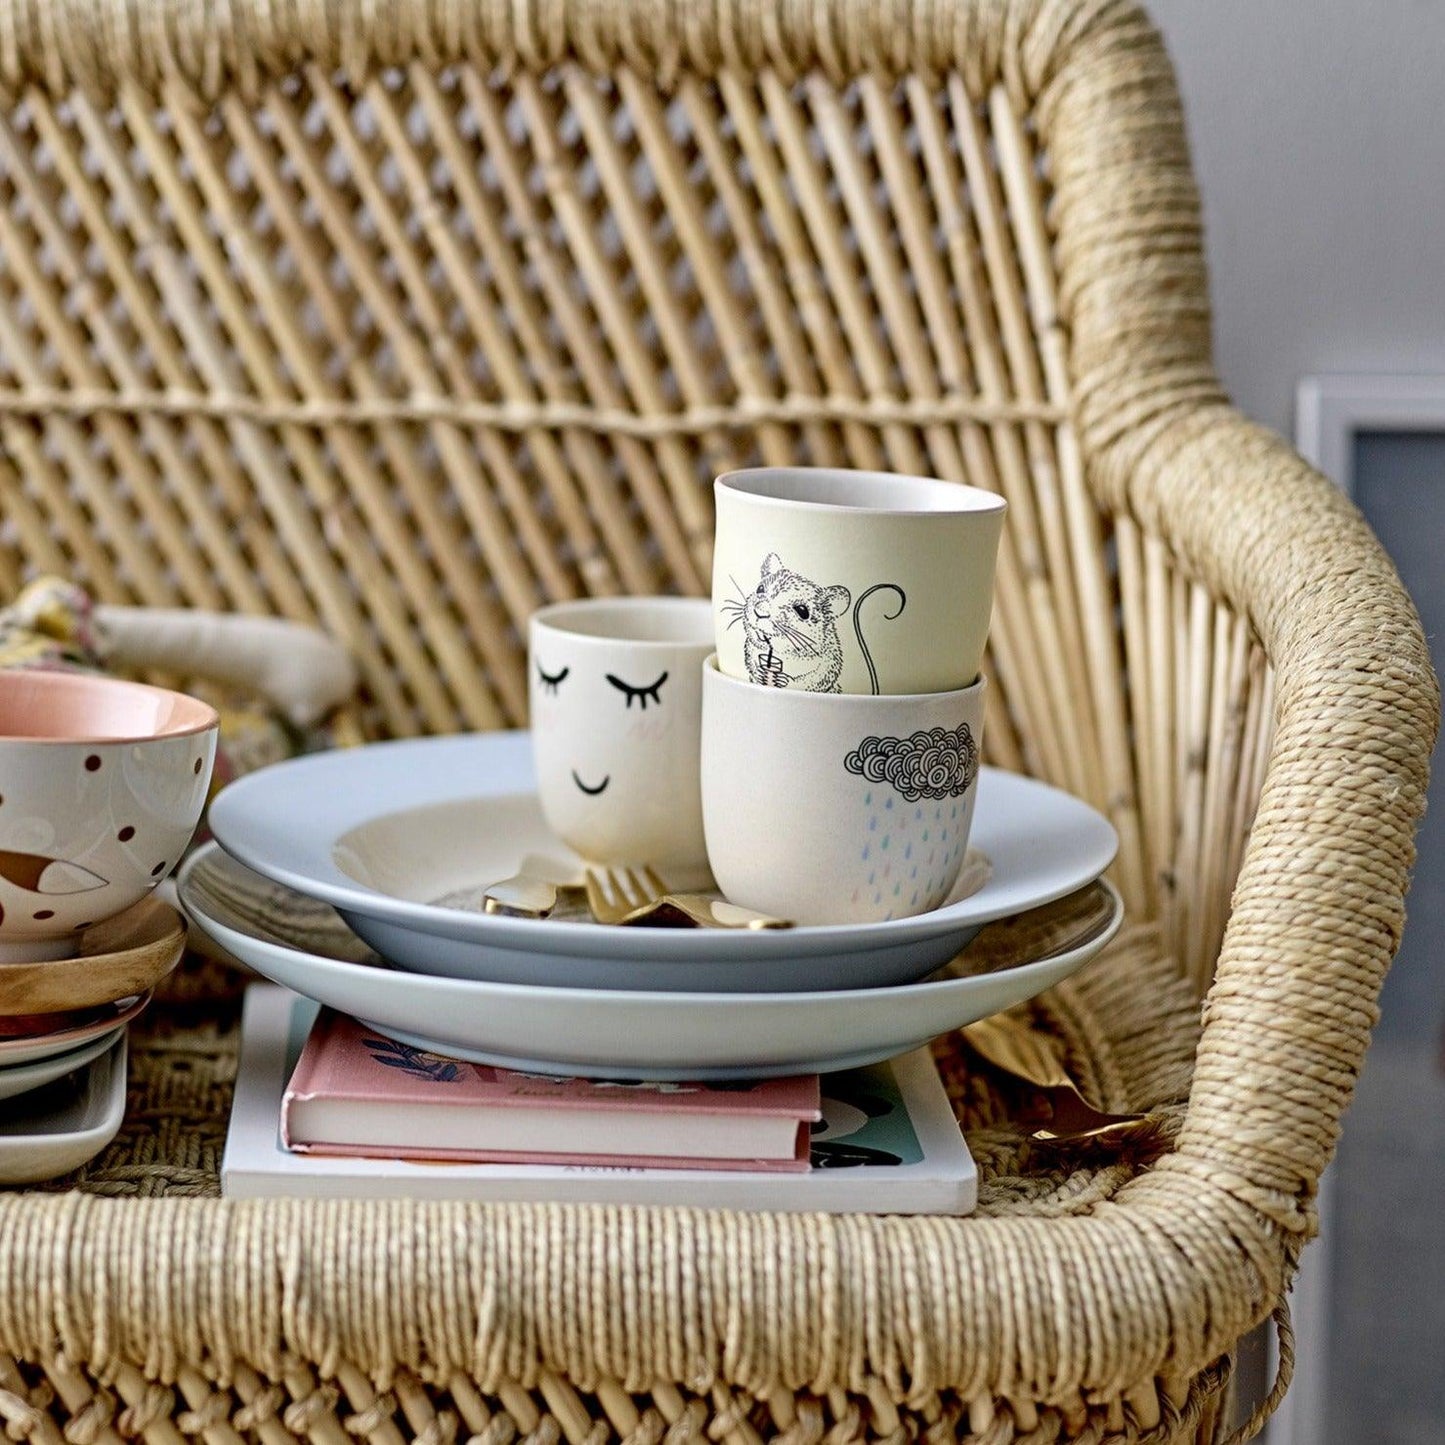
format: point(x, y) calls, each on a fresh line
point(616, 711)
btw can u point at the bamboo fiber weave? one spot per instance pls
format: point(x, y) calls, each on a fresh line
point(406, 317)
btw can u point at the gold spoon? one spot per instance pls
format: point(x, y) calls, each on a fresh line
point(534, 890)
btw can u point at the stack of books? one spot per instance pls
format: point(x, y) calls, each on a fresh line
point(328, 1107)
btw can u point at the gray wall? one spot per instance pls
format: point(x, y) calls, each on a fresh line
point(1318, 132)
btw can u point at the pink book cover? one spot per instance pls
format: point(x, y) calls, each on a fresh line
point(358, 1076)
point(798, 1164)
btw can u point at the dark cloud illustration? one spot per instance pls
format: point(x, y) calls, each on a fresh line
point(938, 763)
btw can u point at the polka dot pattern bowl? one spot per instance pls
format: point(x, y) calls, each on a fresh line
point(102, 783)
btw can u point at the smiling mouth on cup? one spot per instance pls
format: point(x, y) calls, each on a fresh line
point(591, 792)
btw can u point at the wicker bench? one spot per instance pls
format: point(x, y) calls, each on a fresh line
point(405, 317)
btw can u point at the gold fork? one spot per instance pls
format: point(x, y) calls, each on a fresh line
point(613, 894)
point(706, 912)
point(638, 898)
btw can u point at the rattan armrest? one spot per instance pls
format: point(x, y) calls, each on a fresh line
point(1318, 910)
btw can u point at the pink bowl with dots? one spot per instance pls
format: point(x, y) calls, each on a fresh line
point(102, 783)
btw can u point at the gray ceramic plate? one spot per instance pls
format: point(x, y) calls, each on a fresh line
point(634, 1034)
point(382, 833)
point(17, 1079)
point(58, 1128)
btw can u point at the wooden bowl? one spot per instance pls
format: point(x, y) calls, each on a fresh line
point(124, 955)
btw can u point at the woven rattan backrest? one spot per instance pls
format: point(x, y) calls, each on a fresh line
point(407, 318)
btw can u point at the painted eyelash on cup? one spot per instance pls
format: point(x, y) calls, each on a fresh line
point(643, 695)
point(551, 680)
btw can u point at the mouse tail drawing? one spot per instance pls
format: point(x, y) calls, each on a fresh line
point(889, 616)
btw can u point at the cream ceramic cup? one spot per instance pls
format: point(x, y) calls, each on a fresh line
point(616, 702)
point(837, 808)
point(102, 783)
point(854, 582)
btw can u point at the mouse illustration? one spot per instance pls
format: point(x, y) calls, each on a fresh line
point(790, 629)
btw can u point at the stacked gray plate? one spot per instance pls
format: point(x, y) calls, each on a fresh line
point(635, 1033)
point(355, 878)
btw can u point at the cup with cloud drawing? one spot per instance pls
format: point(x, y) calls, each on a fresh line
point(616, 701)
point(837, 808)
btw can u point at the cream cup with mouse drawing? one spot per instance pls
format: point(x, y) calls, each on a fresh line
point(829, 580)
point(102, 783)
point(837, 808)
point(616, 706)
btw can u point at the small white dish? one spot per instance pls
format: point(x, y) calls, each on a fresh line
point(381, 833)
point(57, 1129)
point(17, 1079)
point(611, 1033)
point(70, 1033)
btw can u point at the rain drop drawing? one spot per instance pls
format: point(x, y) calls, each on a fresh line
point(939, 765)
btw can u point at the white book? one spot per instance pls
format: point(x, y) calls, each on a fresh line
point(888, 1144)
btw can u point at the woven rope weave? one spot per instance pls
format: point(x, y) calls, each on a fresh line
point(406, 317)
point(1128, 1025)
point(874, 411)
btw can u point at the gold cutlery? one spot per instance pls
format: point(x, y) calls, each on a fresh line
point(534, 891)
point(638, 898)
point(615, 894)
point(702, 911)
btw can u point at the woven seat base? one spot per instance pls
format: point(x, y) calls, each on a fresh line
point(83, 1410)
point(1128, 1025)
